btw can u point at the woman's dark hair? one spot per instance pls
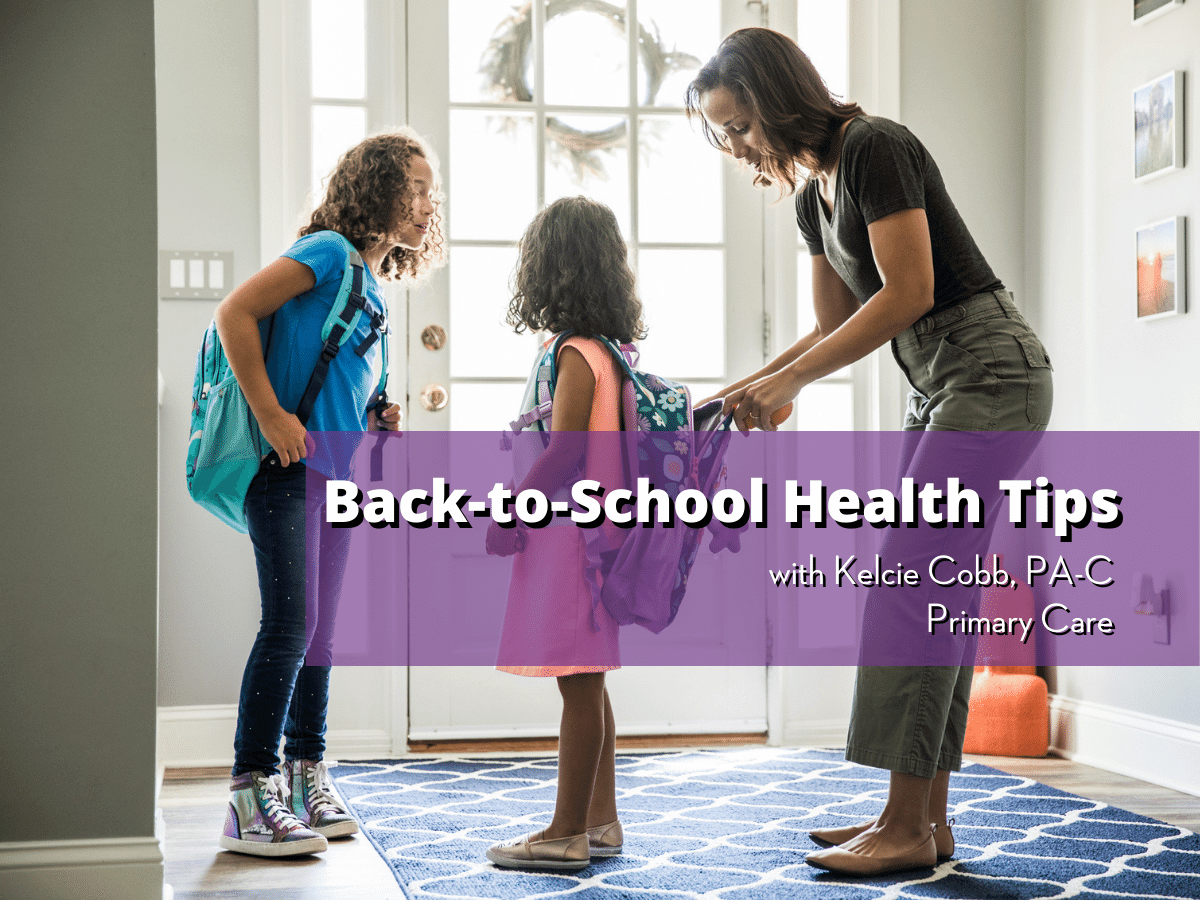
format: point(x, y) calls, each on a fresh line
point(797, 116)
point(573, 273)
point(369, 190)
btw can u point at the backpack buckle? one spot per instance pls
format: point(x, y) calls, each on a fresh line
point(331, 346)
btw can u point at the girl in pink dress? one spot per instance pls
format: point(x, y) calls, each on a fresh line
point(572, 275)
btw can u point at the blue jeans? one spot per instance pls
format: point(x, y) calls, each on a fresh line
point(280, 694)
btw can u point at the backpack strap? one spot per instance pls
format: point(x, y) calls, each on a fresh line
point(343, 318)
point(546, 375)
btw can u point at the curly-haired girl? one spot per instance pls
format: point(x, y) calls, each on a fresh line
point(384, 199)
point(572, 275)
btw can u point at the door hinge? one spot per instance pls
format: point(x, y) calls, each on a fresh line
point(766, 335)
point(763, 10)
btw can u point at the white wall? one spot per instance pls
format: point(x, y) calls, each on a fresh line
point(962, 87)
point(1111, 371)
point(208, 139)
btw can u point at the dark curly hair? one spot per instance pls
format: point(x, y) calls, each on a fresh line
point(369, 189)
point(797, 116)
point(573, 273)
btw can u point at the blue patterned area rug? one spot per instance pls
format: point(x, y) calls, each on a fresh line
point(732, 824)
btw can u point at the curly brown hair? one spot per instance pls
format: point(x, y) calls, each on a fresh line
point(573, 274)
point(369, 190)
point(799, 118)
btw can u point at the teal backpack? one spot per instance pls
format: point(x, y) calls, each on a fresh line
point(227, 447)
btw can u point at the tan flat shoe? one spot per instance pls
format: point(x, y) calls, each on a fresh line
point(606, 840)
point(532, 852)
point(848, 862)
point(943, 837)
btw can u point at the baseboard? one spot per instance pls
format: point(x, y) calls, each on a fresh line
point(519, 732)
point(99, 869)
point(815, 733)
point(195, 737)
point(1149, 748)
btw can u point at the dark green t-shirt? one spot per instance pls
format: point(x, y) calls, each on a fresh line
point(883, 169)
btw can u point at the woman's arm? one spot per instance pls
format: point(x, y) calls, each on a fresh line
point(237, 319)
point(573, 394)
point(904, 257)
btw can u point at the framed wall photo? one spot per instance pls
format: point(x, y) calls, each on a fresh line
point(1161, 269)
point(1145, 10)
point(1158, 126)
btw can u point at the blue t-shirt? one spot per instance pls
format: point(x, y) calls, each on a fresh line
point(295, 342)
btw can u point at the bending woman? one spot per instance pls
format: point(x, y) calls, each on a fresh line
point(891, 261)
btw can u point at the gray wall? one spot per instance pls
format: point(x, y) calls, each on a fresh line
point(77, 645)
point(1111, 371)
point(208, 146)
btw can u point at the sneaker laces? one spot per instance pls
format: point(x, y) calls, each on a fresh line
point(273, 792)
point(319, 786)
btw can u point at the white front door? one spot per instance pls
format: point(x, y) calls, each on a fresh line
point(525, 105)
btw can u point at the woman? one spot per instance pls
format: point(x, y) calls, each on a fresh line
point(891, 261)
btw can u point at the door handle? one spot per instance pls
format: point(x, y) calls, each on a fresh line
point(433, 337)
point(434, 397)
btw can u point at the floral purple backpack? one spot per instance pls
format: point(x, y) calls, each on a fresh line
point(642, 580)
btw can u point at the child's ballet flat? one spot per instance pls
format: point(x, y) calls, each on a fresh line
point(532, 852)
point(606, 840)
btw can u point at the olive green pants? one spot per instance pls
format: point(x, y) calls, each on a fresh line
point(973, 367)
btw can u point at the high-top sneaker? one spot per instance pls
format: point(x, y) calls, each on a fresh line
point(313, 801)
point(258, 821)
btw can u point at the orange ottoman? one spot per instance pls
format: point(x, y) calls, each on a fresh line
point(1009, 713)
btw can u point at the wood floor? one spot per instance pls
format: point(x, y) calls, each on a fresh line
point(193, 804)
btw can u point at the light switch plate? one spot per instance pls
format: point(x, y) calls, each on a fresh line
point(194, 274)
point(1162, 623)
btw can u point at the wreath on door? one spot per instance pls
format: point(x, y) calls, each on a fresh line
point(505, 62)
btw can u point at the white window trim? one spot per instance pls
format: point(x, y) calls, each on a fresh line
point(284, 102)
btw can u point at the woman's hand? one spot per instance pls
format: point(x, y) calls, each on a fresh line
point(388, 421)
point(286, 435)
point(764, 404)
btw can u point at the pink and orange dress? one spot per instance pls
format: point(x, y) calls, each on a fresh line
point(548, 618)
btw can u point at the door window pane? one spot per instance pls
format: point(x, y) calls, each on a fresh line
point(587, 54)
point(488, 56)
point(683, 292)
point(679, 183)
point(677, 39)
point(822, 33)
point(481, 344)
point(582, 158)
point(483, 407)
point(822, 406)
point(492, 182)
point(339, 49)
point(335, 129)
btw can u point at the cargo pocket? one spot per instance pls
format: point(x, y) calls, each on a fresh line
point(1040, 398)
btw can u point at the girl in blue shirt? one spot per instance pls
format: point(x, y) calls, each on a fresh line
point(384, 198)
